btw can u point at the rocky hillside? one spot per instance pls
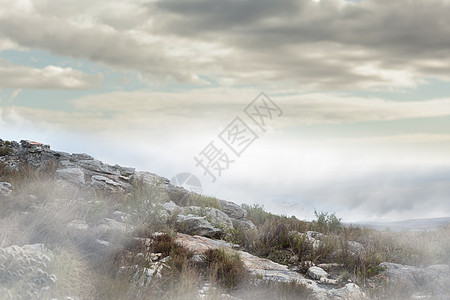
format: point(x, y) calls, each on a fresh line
point(72, 227)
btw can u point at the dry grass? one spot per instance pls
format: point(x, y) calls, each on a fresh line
point(226, 267)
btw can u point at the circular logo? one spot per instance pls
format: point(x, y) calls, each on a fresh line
point(187, 180)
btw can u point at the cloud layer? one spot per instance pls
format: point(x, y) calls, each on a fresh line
point(327, 43)
point(50, 77)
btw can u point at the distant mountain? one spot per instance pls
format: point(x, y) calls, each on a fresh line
point(407, 225)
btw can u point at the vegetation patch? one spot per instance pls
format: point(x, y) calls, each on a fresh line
point(225, 267)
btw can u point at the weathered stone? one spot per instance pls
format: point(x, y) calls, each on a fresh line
point(97, 167)
point(73, 175)
point(196, 225)
point(311, 237)
point(355, 248)
point(317, 273)
point(78, 225)
point(80, 156)
point(23, 271)
point(243, 224)
point(171, 207)
point(314, 235)
point(214, 216)
point(5, 189)
point(125, 171)
point(78, 230)
point(431, 280)
point(268, 270)
point(151, 178)
point(102, 182)
point(349, 292)
point(120, 216)
point(232, 209)
point(110, 228)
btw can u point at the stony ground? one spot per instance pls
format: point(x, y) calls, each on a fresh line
point(24, 271)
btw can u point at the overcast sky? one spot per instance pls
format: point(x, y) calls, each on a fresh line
point(362, 87)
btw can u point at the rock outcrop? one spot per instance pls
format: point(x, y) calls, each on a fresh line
point(5, 189)
point(268, 270)
point(427, 282)
point(23, 272)
point(100, 235)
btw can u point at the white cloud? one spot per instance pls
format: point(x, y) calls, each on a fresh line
point(49, 77)
point(142, 110)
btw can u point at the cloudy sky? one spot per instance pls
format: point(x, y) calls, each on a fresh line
point(363, 86)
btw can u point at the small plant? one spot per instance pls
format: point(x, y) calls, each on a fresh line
point(344, 277)
point(226, 267)
point(204, 201)
point(327, 222)
point(5, 151)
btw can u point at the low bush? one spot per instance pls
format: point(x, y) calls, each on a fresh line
point(225, 267)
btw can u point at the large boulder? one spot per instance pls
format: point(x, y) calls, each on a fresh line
point(349, 292)
point(431, 281)
point(214, 216)
point(73, 175)
point(196, 225)
point(232, 209)
point(243, 224)
point(356, 249)
point(317, 273)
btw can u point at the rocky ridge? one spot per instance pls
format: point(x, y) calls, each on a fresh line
point(197, 227)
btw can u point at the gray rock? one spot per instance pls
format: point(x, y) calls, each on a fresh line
point(311, 237)
point(102, 182)
point(432, 280)
point(109, 229)
point(196, 225)
point(78, 230)
point(78, 225)
point(97, 167)
point(23, 271)
point(355, 248)
point(216, 217)
point(349, 292)
point(151, 178)
point(268, 270)
point(314, 235)
point(120, 216)
point(5, 189)
point(171, 207)
point(73, 175)
point(232, 209)
point(80, 156)
point(243, 224)
point(125, 171)
point(317, 273)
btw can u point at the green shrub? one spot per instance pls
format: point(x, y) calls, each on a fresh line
point(276, 290)
point(226, 267)
point(204, 201)
point(327, 222)
point(5, 151)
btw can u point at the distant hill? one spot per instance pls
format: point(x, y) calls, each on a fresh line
point(407, 225)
